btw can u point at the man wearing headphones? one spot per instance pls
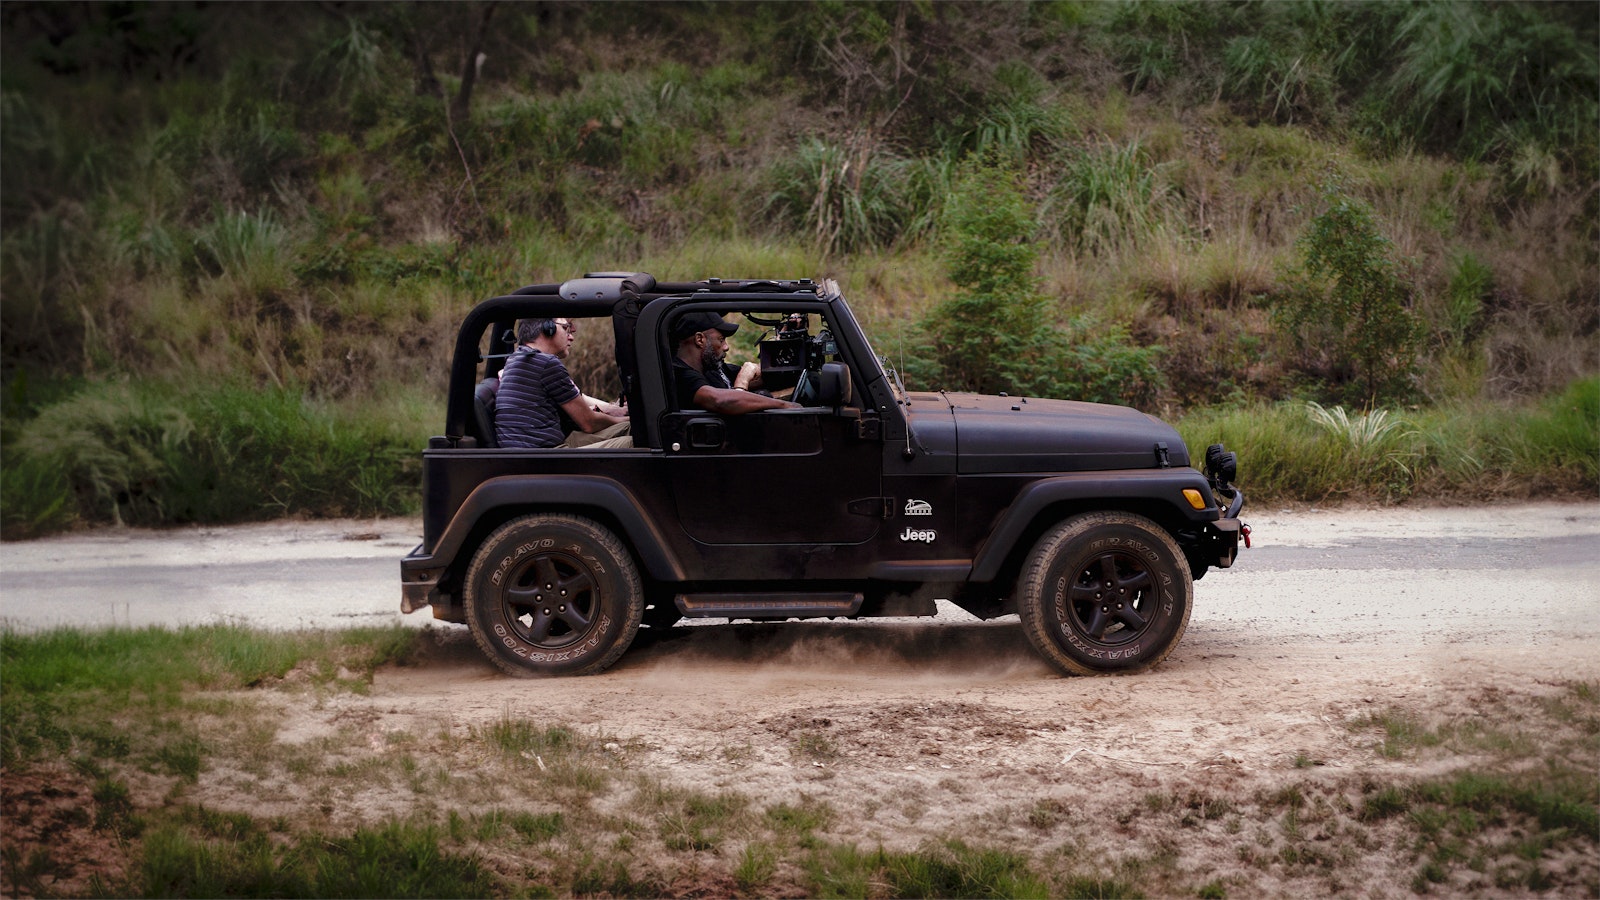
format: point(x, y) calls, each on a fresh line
point(535, 388)
point(702, 342)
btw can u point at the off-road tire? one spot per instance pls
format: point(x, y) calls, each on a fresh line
point(553, 594)
point(1105, 593)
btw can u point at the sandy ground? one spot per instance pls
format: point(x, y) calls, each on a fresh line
point(951, 727)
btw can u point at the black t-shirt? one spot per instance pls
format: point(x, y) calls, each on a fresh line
point(686, 381)
point(722, 376)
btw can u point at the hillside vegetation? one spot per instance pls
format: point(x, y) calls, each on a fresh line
point(237, 238)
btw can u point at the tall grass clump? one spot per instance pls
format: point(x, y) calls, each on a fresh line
point(1365, 433)
point(1019, 120)
point(845, 196)
point(1157, 44)
point(1274, 73)
point(1482, 78)
point(249, 250)
point(1108, 198)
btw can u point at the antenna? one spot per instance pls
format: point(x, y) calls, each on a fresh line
point(900, 340)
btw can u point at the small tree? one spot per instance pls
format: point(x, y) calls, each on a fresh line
point(998, 332)
point(1352, 302)
point(993, 321)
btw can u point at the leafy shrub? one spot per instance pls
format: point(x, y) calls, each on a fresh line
point(994, 319)
point(1471, 281)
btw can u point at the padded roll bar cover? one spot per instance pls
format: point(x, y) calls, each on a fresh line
point(606, 286)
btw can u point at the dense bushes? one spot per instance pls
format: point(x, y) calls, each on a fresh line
point(150, 454)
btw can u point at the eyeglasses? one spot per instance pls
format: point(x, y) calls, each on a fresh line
point(571, 328)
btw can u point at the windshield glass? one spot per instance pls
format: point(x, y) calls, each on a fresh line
point(888, 367)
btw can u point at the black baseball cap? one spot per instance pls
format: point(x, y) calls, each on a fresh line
point(701, 320)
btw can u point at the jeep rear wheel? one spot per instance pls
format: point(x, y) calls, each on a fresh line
point(553, 594)
point(1105, 593)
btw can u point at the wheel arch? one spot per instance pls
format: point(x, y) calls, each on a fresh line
point(499, 500)
point(1041, 505)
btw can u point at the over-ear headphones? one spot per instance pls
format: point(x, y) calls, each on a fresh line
point(548, 328)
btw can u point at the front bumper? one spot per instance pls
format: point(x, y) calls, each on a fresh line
point(1222, 536)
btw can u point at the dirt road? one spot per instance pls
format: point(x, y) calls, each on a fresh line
point(928, 729)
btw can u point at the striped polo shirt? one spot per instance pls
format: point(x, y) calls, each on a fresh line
point(533, 385)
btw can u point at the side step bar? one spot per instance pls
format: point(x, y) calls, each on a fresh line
point(768, 605)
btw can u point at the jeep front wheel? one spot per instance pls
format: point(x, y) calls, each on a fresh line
point(553, 594)
point(1105, 593)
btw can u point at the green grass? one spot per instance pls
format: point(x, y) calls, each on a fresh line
point(1470, 449)
point(120, 693)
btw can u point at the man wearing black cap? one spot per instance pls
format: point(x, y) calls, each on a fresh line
point(702, 339)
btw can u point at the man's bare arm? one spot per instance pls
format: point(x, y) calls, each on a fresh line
point(749, 376)
point(610, 409)
point(736, 402)
point(586, 418)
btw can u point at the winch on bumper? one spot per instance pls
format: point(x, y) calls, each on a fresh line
point(1219, 545)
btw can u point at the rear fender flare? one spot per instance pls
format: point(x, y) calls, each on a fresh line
point(569, 493)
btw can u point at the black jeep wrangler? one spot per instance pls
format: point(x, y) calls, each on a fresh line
point(1084, 519)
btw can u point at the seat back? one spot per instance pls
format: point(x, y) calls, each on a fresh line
point(483, 411)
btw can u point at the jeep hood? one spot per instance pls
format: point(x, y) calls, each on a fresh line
point(1015, 434)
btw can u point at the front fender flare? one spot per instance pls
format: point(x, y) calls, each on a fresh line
point(1102, 490)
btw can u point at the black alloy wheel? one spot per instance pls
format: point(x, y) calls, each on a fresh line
point(553, 594)
point(1105, 593)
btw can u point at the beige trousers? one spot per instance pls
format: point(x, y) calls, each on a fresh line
point(614, 436)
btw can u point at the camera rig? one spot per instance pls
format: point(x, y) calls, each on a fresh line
point(789, 349)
